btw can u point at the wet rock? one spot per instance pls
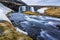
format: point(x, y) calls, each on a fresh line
point(58, 26)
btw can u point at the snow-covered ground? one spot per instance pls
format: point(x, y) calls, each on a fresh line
point(21, 31)
point(5, 9)
point(3, 16)
point(42, 10)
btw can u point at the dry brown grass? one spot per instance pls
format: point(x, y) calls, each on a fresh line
point(9, 32)
point(30, 13)
point(53, 12)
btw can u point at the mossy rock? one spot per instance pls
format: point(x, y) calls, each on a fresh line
point(9, 13)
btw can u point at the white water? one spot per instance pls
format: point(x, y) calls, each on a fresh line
point(24, 8)
point(32, 9)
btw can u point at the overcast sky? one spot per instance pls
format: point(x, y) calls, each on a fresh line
point(42, 2)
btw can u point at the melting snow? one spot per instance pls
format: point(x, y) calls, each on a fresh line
point(19, 30)
point(42, 10)
point(4, 10)
point(3, 16)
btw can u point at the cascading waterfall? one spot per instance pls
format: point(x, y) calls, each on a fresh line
point(20, 9)
point(32, 9)
point(23, 8)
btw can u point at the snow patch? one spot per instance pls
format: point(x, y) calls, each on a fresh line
point(42, 10)
point(5, 9)
point(3, 16)
point(19, 30)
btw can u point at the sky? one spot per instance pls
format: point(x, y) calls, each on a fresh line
point(42, 2)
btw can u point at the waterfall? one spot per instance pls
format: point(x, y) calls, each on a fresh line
point(32, 9)
point(22, 9)
point(25, 8)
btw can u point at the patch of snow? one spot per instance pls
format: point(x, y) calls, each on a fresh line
point(3, 16)
point(19, 30)
point(42, 10)
point(5, 9)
